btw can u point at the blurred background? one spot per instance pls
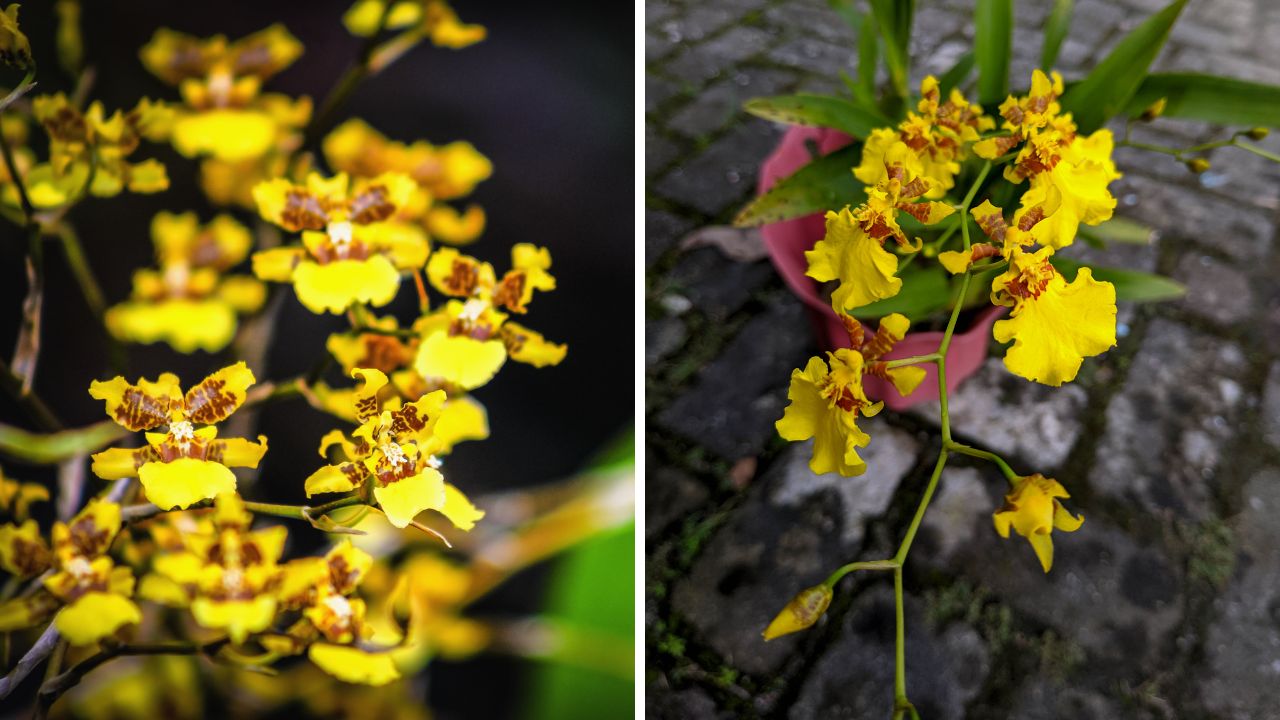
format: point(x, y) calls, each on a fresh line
point(547, 97)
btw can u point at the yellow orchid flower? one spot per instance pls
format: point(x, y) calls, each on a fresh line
point(358, 257)
point(824, 404)
point(185, 464)
point(17, 497)
point(853, 251)
point(1053, 325)
point(1034, 511)
point(892, 329)
point(434, 20)
point(461, 418)
point(227, 575)
point(464, 344)
point(225, 115)
point(90, 595)
point(939, 135)
point(1073, 191)
point(23, 551)
point(396, 451)
point(81, 140)
point(187, 302)
point(444, 172)
point(333, 619)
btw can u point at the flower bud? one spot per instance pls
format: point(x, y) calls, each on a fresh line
point(1198, 165)
point(801, 613)
point(1153, 111)
point(1258, 133)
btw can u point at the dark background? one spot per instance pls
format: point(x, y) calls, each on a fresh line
point(547, 97)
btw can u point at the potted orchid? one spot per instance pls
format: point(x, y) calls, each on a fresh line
point(958, 212)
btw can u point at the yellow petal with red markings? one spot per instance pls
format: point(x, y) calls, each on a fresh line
point(23, 551)
point(333, 478)
point(142, 406)
point(184, 482)
point(529, 347)
point(458, 275)
point(117, 463)
point(214, 398)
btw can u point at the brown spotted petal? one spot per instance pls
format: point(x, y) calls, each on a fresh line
point(217, 396)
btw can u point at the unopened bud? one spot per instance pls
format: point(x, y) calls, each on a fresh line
point(1154, 110)
point(801, 613)
point(1198, 165)
point(1258, 133)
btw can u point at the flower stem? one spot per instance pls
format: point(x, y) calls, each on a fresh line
point(92, 291)
point(963, 449)
point(900, 644)
point(1257, 151)
point(843, 570)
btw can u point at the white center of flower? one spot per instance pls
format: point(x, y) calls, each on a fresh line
point(340, 233)
point(176, 278)
point(472, 310)
point(338, 605)
point(182, 431)
point(80, 567)
point(232, 579)
point(220, 84)
point(434, 462)
point(394, 454)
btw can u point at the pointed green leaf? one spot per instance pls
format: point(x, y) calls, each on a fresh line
point(1221, 100)
point(868, 56)
point(992, 44)
point(1131, 285)
point(818, 111)
point(1107, 90)
point(925, 290)
point(1119, 230)
point(893, 17)
point(825, 184)
point(1055, 31)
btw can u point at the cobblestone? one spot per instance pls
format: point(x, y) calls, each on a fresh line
point(1155, 454)
point(725, 173)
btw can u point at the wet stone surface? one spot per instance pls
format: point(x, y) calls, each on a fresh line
point(1167, 428)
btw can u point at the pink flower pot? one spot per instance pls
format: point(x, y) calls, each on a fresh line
point(787, 242)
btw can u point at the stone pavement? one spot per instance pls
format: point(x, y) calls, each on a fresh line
point(1165, 605)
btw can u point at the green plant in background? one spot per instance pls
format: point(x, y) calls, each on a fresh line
point(1028, 171)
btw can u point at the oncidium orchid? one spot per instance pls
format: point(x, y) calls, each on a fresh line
point(188, 301)
point(187, 462)
point(393, 455)
point(349, 254)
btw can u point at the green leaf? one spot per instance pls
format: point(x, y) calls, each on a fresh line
point(924, 291)
point(825, 184)
point(993, 43)
point(1119, 230)
point(1220, 100)
point(849, 12)
point(868, 56)
point(893, 17)
point(1055, 31)
point(51, 448)
point(958, 74)
point(1131, 285)
point(818, 111)
point(1107, 90)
